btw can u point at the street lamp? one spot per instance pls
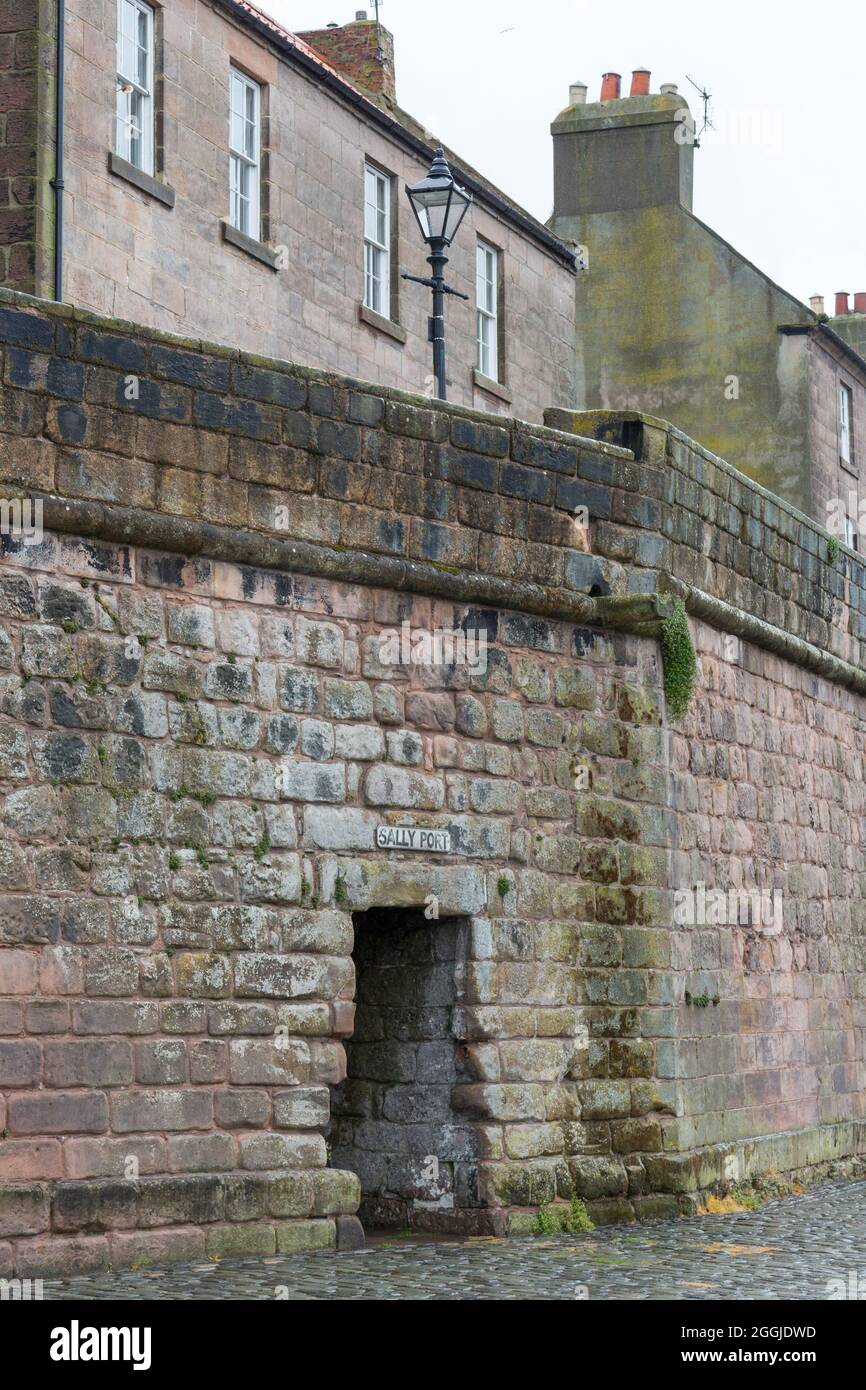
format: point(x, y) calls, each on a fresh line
point(439, 205)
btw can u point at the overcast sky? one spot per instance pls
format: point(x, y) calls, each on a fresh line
point(784, 175)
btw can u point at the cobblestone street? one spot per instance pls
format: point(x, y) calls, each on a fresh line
point(790, 1249)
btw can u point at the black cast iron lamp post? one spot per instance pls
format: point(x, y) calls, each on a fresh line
point(439, 205)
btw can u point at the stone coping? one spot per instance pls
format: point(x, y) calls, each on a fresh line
point(607, 421)
point(106, 324)
point(662, 527)
point(641, 614)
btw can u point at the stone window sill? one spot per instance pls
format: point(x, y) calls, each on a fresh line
point(257, 249)
point(493, 388)
point(850, 466)
point(145, 183)
point(381, 324)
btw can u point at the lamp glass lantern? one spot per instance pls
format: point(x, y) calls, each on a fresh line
point(438, 202)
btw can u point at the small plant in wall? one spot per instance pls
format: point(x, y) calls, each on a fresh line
point(678, 660)
point(574, 1219)
point(546, 1223)
point(340, 894)
point(832, 550)
point(577, 1219)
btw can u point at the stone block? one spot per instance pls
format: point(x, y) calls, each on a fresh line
point(141, 1249)
point(274, 1062)
point(161, 1109)
point(302, 1108)
point(201, 1153)
point(58, 1113)
point(63, 1256)
point(160, 1063)
point(191, 1199)
point(73, 1062)
point(242, 1109)
point(294, 1236)
point(389, 786)
point(24, 1209)
point(94, 1206)
point(314, 781)
point(267, 1152)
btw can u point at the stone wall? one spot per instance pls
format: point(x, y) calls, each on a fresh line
point(832, 479)
point(768, 790)
point(27, 65)
point(202, 732)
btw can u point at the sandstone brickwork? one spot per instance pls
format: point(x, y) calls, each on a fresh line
point(202, 733)
point(835, 481)
point(27, 65)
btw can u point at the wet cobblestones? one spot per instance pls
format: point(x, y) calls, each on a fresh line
point(790, 1249)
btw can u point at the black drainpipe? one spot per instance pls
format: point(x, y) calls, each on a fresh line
point(57, 181)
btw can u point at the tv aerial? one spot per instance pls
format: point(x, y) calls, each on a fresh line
point(706, 98)
point(380, 52)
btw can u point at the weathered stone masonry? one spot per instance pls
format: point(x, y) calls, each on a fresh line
point(27, 88)
point(198, 740)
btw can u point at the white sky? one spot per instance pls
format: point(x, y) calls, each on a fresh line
point(784, 176)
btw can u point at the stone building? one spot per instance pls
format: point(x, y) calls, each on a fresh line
point(228, 180)
point(673, 320)
point(302, 914)
point(848, 322)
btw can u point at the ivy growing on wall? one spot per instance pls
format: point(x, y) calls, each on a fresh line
point(678, 660)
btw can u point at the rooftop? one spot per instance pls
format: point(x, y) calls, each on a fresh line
point(396, 122)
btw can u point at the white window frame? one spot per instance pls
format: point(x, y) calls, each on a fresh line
point(487, 309)
point(846, 423)
point(377, 240)
point(851, 533)
point(245, 207)
point(129, 83)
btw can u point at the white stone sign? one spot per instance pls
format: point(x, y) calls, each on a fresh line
point(412, 837)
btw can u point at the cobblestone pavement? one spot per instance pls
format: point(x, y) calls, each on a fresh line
point(789, 1249)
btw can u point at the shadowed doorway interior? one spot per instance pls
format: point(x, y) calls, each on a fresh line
point(393, 1121)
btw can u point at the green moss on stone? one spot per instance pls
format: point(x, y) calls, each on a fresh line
point(678, 660)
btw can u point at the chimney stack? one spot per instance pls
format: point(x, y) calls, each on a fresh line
point(614, 155)
point(816, 303)
point(860, 302)
point(668, 89)
point(363, 51)
point(841, 303)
